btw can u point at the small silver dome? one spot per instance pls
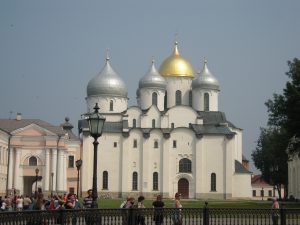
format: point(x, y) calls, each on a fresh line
point(107, 82)
point(206, 79)
point(153, 79)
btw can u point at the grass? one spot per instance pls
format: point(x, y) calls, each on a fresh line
point(115, 203)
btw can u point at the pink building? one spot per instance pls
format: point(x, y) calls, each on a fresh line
point(35, 154)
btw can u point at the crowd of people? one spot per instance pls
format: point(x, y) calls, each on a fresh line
point(38, 202)
point(70, 201)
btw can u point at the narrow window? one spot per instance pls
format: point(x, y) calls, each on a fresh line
point(254, 193)
point(213, 182)
point(190, 98)
point(262, 193)
point(134, 123)
point(155, 144)
point(135, 143)
point(111, 105)
point(165, 103)
point(115, 144)
point(134, 181)
point(154, 98)
point(71, 161)
point(174, 144)
point(155, 181)
point(105, 180)
point(153, 123)
point(185, 166)
point(206, 102)
point(172, 125)
point(32, 161)
point(178, 97)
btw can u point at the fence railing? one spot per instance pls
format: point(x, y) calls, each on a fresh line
point(166, 216)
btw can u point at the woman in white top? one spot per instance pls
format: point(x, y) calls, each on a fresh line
point(177, 216)
point(19, 203)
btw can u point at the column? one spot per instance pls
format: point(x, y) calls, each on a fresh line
point(65, 171)
point(59, 179)
point(54, 168)
point(17, 169)
point(10, 169)
point(47, 169)
point(165, 169)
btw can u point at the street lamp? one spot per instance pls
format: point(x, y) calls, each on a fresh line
point(96, 123)
point(262, 193)
point(36, 179)
point(52, 174)
point(78, 166)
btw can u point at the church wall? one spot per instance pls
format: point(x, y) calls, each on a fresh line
point(146, 98)
point(119, 104)
point(198, 99)
point(134, 113)
point(241, 185)
point(178, 83)
point(146, 119)
point(181, 116)
point(213, 153)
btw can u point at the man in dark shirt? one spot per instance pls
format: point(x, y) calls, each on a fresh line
point(158, 206)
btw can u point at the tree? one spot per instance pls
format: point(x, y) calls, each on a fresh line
point(282, 136)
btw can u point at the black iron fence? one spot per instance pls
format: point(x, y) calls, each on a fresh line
point(166, 216)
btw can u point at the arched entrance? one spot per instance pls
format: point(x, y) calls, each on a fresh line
point(183, 187)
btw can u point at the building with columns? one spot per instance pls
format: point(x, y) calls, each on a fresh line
point(31, 145)
point(174, 140)
point(294, 176)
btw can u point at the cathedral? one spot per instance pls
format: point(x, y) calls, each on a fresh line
point(174, 140)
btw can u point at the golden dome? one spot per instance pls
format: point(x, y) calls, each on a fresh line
point(175, 65)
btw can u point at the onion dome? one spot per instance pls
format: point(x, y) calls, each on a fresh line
point(206, 79)
point(175, 65)
point(107, 82)
point(153, 79)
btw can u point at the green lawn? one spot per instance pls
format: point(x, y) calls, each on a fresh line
point(115, 203)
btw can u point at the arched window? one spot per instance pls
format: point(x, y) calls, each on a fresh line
point(32, 161)
point(190, 98)
point(105, 180)
point(111, 105)
point(154, 98)
point(178, 97)
point(134, 123)
point(213, 182)
point(153, 123)
point(185, 166)
point(155, 144)
point(134, 181)
point(206, 102)
point(155, 181)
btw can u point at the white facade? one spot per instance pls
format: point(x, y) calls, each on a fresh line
point(294, 177)
point(168, 143)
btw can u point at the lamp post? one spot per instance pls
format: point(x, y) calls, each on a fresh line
point(52, 174)
point(262, 193)
point(78, 166)
point(36, 179)
point(96, 123)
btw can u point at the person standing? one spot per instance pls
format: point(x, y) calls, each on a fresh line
point(140, 214)
point(275, 211)
point(87, 204)
point(19, 203)
point(26, 202)
point(177, 215)
point(158, 206)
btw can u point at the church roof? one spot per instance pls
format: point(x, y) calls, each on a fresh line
point(109, 127)
point(239, 168)
point(210, 129)
point(152, 79)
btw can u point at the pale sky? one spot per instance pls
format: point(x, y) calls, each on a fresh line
point(49, 50)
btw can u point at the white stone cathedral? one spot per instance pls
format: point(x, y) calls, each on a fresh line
point(174, 140)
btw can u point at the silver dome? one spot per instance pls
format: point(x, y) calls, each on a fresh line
point(107, 82)
point(153, 79)
point(206, 79)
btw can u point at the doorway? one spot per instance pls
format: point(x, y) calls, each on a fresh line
point(183, 187)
